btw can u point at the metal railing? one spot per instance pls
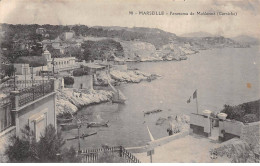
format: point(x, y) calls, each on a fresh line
point(93, 155)
point(27, 95)
point(6, 119)
point(20, 84)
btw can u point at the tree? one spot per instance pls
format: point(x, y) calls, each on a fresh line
point(23, 149)
point(48, 149)
point(8, 69)
point(50, 145)
point(68, 80)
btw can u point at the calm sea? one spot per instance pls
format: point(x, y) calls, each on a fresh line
point(221, 76)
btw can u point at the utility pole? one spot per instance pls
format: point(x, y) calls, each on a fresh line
point(53, 66)
point(32, 76)
point(14, 79)
point(78, 139)
point(24, 76)
point(197, 102)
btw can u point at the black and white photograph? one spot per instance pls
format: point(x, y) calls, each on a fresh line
point(129, 81)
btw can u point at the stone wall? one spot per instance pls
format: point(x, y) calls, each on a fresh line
point(83, 82)
point(200, 124)
point(41, 109)
point(251, 133)
point(229, 129)
point(5, 141)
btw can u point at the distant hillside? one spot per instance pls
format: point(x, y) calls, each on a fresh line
point(197, 34)
point(22, 40)
point(246, 39)
point(154, 36)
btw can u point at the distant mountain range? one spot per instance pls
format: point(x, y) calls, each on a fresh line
point(246, 39)
point(243, 39)
point(197, 34)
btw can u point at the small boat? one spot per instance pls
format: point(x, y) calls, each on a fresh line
point(151, 77)
point(82, 136)
point(183, 57)
point(152, 112)
point(97, 124)
point(118, 96)
point(68, 126)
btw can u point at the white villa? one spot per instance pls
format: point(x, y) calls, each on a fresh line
point(60, 64)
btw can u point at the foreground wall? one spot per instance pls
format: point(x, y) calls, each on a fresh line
point(37, 114)
point(83, 82)
point(251, 133)
point(200, 124)
point(229, 129)
point(5, 141)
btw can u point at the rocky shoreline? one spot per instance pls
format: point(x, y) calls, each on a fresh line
point(71, 100)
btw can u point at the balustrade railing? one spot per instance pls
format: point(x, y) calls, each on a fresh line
point(20, 84)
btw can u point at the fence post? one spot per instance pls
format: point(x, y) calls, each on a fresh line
point(14, 99)
point(120, 151)
point(43, 88)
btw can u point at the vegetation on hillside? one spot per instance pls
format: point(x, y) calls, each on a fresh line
point(100, 50)
point(22, 40)
point(246, 112)
point(33, 61)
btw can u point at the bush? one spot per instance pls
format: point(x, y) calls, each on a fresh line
point(234, 112)
point(79, 72)
point(249, 118)
point(68, 80)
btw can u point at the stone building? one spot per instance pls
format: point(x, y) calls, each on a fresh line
point(34, 107)
point(60, 64)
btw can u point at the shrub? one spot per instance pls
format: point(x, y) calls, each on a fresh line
point(246, 112)
point(249, 118)
point(234, 112)
point(79, 72)
point(68, 80)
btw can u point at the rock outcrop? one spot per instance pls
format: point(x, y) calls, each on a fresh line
point(70, 100)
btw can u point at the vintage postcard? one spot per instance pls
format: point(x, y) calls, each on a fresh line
point(129, 81)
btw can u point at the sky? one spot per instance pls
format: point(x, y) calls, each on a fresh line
point(116, 13)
